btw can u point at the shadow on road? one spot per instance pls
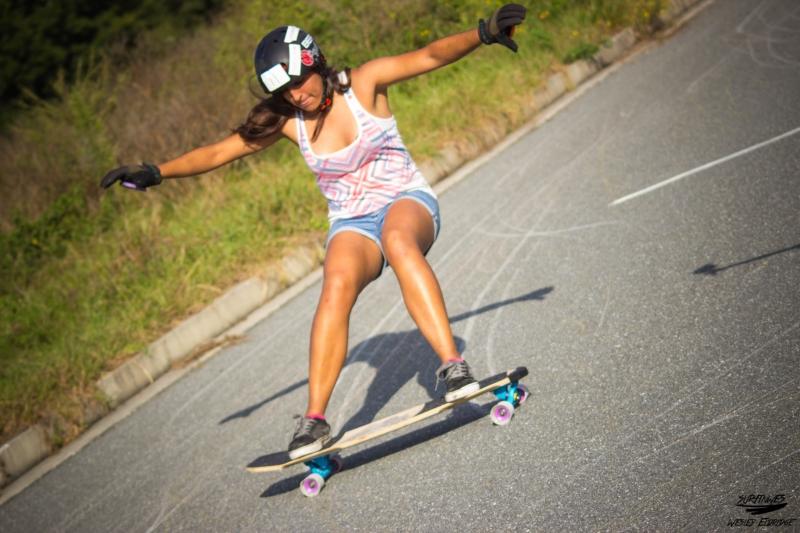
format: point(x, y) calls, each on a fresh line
point(535, 295)
point(244, 413)
point(398, 358)
point(459, 417)
point(711, 269)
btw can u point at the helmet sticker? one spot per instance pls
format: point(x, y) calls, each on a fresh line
point(291, 34)
point(306, 58)
point(314, 52)
point(275, 77)
point(307, 41)
point(294, 60)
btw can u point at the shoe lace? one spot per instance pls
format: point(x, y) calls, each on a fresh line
point(451, 370)
point(303, 425)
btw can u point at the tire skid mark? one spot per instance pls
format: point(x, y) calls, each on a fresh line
point(718, 498)
point(740, 48)
point(364, 378)
point(650, 424)
point(488, 285)
point(496, 321)
point(728, 370)
point(169, 446)
point(767, 37)
point(538, 148)
point(552, 232)
point(352, 358)
point(113, 489)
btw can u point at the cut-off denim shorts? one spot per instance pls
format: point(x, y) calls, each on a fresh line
point(371, 225)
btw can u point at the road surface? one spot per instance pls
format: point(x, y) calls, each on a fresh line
point(661, 327)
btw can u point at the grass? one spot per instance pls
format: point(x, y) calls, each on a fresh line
point(90, 278)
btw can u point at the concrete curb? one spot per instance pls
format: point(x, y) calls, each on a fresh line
point(197, 330)
point(243, 306)
point(23, 452)
point(147, 366)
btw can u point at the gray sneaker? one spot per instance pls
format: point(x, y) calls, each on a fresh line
point(309, 436)
point(459, 380)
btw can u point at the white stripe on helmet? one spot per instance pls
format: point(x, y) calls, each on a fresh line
point(291, 34)
point(275, 77)
point(294, 60)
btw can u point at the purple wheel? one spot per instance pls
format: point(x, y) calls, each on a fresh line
point(502, 412)
point(311, 485)
point(337, 464)
point(523, 394)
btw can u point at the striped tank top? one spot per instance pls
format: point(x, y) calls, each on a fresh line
point(367, 175)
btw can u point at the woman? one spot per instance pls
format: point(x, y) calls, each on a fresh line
point(381, 209)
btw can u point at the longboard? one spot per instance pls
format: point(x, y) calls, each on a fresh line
point(504, 385)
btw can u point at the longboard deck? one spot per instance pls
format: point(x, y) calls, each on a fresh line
point(281, 460)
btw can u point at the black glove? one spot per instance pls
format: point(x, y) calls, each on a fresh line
point(133, 176)
point(500, 27)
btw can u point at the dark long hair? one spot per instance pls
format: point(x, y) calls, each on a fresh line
point(270, 114)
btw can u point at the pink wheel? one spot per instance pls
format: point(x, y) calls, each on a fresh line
point(523, 393)
point(337, 464)
point(502, 412)
point(311, 485)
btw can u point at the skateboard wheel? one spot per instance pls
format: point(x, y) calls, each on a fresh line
point(502, 413)
point(311, 485)
point(523, 392)
point(336, 463)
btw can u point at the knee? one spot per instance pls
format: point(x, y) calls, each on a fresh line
point(339, 288)
point(399, 246)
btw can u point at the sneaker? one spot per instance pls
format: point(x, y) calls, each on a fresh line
point(310, 435)
point(459, 380)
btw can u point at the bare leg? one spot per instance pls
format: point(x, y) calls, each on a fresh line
point(351, 262)
point(407, 233)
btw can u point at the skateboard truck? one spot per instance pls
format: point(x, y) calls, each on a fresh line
point(510, 396)
point(322, 468)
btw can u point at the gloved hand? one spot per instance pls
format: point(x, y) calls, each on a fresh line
point(133, 176)
point(500, 27)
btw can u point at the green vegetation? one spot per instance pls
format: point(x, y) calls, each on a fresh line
point(88, 278)
point(581, 51)
point(39, 39)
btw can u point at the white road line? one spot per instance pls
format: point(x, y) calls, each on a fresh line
point(703, 167)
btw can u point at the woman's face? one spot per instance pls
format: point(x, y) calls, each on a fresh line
point(305, 93)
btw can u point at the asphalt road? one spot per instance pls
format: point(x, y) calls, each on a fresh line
point(662, 334)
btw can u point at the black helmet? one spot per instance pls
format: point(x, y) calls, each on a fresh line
point(285, 55)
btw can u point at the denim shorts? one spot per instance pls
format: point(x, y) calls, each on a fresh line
point(371, 225)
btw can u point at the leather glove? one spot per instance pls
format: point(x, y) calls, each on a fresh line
point(138, 177)
point(500, 27)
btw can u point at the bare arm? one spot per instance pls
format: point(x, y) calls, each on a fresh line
point(386, 71)
point(196, 162)
point(371, 80)
point(213, 156)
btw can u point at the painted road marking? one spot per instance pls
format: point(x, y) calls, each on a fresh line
point(703, 167)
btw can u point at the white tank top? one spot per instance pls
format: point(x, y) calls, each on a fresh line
point(367, 175)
